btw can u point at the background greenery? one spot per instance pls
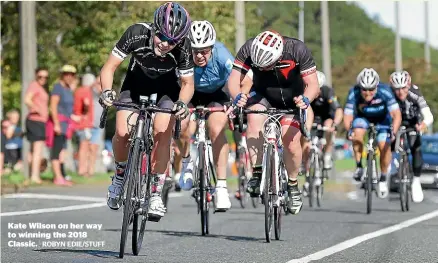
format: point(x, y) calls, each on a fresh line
point(90, 29)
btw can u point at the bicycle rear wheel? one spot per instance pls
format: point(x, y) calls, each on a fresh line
point(131, 174)
point(369, 182)
point(266, 195)
point(320, 188)
point(203, 203)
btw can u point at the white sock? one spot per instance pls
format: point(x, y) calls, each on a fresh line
point(221, 183)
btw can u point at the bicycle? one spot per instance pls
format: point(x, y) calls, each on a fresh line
point(404, 175)
point(316, 181)
point(274, 177)
point(204, 190)
point(372, 169)
point(137, 176)
point(243, 167)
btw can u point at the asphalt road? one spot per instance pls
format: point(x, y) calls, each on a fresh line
point(340, 231)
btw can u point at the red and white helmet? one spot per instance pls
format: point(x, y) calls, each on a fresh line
point(266, 49)
point(400, 79)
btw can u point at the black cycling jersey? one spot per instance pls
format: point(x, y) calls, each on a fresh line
point(138, 40)
point(281, 84)
point(326, 104)
point(411, 107)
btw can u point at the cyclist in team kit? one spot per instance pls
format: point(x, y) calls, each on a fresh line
point(213, 65)
point(284, 76)
point(370, 101)
point(327, 112)
point(415, 114)
point(159, 50)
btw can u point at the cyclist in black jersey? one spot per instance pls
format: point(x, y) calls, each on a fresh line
point(327, 112)
point(284, 76)
point(160, 57)
point(415, 114)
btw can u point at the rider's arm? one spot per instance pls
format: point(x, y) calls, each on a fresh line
point(186, 72)
point(335, 107)
point(120, 51)
point(187, 89)
point(349, 109)
point(238, 82)
point(107, 73)
point(307, 70)
point(394, 110)
point(422, 104)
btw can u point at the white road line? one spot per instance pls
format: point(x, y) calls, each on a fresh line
point(54, 209)
point(357, 240)
point(68, 197)
point(56, 197)
point(102, 202)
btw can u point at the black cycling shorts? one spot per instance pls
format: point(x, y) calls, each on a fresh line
point(136, 83)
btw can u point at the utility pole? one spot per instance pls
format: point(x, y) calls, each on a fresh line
point(301, 21)
point(427, 41)
point(28, 63)
point(398, 48)
point(239, 14)
point(326, 56)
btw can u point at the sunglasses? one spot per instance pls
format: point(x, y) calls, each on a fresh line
point(203, 52)
point(42, 77)
point(163, 38)
point(370, 90)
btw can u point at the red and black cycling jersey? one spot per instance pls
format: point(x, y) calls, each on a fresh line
point(326, 104)
point(285, 80)
point(138, 40)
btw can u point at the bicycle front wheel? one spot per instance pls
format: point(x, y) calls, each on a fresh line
point(203, 191)
point(369, 182)
point(131, 174)
point(266, 192)
point(403, 184)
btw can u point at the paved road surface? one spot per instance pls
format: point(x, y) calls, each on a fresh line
point(236, 236)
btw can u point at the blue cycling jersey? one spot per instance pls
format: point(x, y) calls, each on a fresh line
point(215, 74)
point(377, 109)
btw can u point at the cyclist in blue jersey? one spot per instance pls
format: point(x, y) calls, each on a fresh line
point(372, 102)
point(213, 65)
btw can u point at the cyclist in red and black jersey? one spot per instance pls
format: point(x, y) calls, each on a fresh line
point(284, 76)
point(161, 56)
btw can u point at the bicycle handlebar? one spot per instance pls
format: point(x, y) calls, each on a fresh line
point(150, 108)
point(400, 132)
point(203, 110)
point(273, 111)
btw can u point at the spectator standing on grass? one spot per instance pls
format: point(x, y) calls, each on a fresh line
point(96, 132)
point(4, 127)
point(37, 101)
point(83, 107)
point(14, 140)
point(60, 127)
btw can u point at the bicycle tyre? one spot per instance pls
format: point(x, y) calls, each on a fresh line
point(137, 237)
point(320, 188)
point(312, 171)
point(277, 222)
point(242, 191)
point(266, 196)
point(128, 209)
point(369, 182)
point(203, 206)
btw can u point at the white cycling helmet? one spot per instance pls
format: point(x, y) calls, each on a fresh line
point(202, 34)
point(266, 49)
point(400, 79)
point(321, 78)
point(368, 78)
